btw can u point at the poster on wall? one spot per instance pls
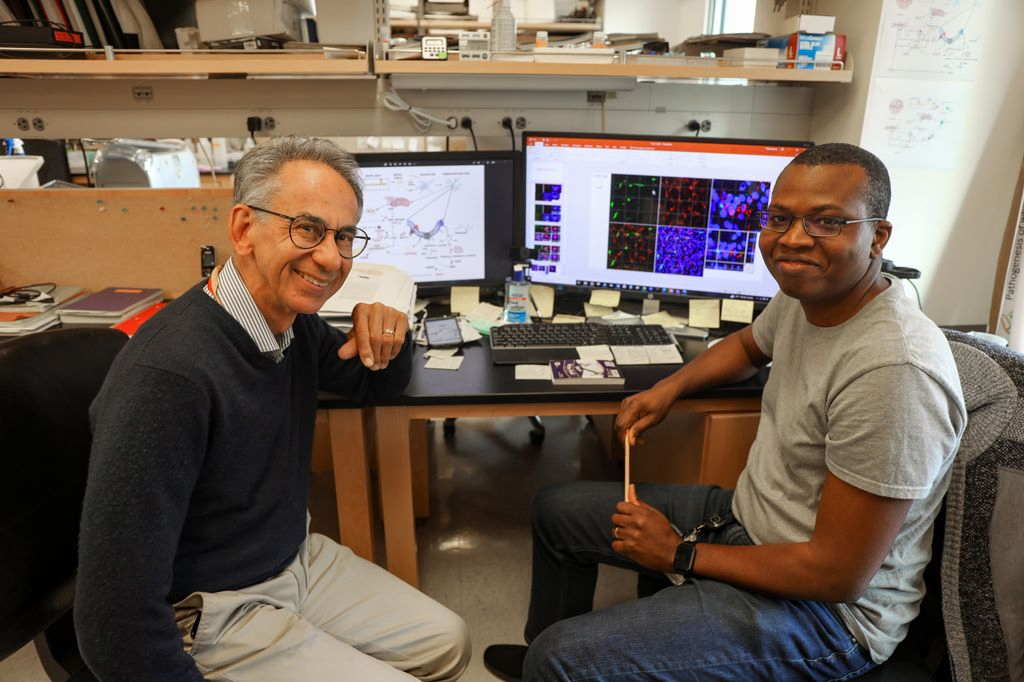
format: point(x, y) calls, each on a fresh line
point(931, 39)
point(917, 124)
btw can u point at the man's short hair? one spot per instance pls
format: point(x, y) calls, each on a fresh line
point(879, 191)
point(257, 172)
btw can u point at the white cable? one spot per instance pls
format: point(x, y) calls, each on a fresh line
point(421, 119)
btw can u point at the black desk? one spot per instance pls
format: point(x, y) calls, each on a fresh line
point(479, 389)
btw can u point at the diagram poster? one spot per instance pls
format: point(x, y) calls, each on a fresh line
point(920, 124)
point(931, 39)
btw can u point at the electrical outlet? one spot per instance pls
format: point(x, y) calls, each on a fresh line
point(520, 123)
point(705, 126)
point(142, 93)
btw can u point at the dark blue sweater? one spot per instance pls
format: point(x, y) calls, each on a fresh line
point(199, 475)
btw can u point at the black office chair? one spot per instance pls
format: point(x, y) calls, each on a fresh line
point(47, 381)
point(971, 624)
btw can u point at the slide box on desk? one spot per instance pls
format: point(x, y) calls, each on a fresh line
point(580, 372)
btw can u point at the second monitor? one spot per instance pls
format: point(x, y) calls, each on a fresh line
point(444, 217)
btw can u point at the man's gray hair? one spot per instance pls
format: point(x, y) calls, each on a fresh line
point(256, 175)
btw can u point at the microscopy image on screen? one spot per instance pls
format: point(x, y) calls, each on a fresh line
point(733, 228)
point(684, 201)
point(547, 233)
point(680, 250)
point(544, 192)
point(634, 199)
point(631, 247)
point(549, 253)
point(549, 213)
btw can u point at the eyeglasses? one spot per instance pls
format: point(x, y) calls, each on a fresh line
point(814, 225)
point(306, 232)
point(30, 293)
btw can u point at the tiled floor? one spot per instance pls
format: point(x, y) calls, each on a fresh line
point(475, 547)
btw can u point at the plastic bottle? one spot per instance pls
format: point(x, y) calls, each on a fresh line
point(517, 296)
point(541, 40)
point(503, 28)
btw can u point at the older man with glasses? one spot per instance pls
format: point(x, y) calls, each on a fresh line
point(812, 568)
point(195, 556)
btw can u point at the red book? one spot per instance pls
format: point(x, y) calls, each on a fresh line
point(132, 324)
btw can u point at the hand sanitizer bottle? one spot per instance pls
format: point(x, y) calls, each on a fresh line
point(503, 28)
point(517, 296)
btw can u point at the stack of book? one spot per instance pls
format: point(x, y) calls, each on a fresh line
point(108, 307)
point(117, 23)
point(37, 314)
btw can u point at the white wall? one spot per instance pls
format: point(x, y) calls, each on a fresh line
point(948, 223)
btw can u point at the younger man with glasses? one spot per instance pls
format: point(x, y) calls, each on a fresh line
point(812, 568)
point(195, 556)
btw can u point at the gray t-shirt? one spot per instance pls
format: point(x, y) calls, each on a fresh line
point(875, 400)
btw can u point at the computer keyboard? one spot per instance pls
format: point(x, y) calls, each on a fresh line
point(517, 344)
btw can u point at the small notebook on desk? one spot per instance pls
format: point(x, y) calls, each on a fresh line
point(585, 372)
point(108, 306)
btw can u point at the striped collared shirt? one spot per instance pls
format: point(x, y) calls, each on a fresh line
point(233, 295)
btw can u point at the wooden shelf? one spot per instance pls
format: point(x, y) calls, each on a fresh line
point(165, 65)
point(668, 71)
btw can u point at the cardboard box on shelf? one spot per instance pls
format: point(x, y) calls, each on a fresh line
point(809, 23)
point(809, 50)
point(227, 19)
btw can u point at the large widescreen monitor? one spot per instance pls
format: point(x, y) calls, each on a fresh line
point(444, 217)
point(667, 216)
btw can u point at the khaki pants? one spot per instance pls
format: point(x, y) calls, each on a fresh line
point(329, 616)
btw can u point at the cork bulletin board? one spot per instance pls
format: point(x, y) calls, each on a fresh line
point(96, 238)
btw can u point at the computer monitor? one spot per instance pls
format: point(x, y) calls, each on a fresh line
point(444, 217)
point(666, 216)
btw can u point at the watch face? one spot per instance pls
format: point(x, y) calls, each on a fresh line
point(686, 552)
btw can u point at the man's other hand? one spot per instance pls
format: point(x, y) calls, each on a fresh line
point(377, 335)
point(643, 410)
point(643, 534)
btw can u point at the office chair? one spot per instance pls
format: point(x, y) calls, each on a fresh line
point(47, 381)
point(971, 624)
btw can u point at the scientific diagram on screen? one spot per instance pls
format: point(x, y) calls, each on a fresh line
point(426, 220)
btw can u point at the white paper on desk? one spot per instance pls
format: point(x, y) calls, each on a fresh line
point(464, 299)
point(619, 316)
point(544, 298)
point(484, 312)
point(598, 352)
point(606, 297)
point(568, 319)
point(734, 310)
point(630, 355)
point(663, 318)
point(451, 363)
point(440, 352)
point(704, 313)
point(533, 372)
point(663, 355)
point(591, 310)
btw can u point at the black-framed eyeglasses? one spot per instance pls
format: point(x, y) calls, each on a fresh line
point(814, 225)
point(306, 232)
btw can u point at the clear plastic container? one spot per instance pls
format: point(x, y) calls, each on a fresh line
point(517, 297)
point(503, 28)
point(541, 40)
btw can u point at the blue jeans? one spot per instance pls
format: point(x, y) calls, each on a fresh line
point(701, 630)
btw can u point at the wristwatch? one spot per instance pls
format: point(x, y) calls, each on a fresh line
point(686, 554)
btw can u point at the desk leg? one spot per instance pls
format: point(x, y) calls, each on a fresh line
point(352, 480)
point(420, 468)
point(394, 469)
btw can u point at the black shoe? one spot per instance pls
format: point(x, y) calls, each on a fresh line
point(505, 661)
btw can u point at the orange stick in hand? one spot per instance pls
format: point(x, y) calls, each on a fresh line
point(629, 437)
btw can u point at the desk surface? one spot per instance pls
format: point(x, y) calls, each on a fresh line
point(478, 381)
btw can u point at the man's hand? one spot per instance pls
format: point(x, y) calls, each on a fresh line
point(377, 335)
point(643, 410)
point(644, 534)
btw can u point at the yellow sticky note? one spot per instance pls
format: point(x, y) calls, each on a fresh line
point(704, 313)
point(568, 319)
point(464, 299)
point(734, 310)
point(605, 297)
point(544, 298)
